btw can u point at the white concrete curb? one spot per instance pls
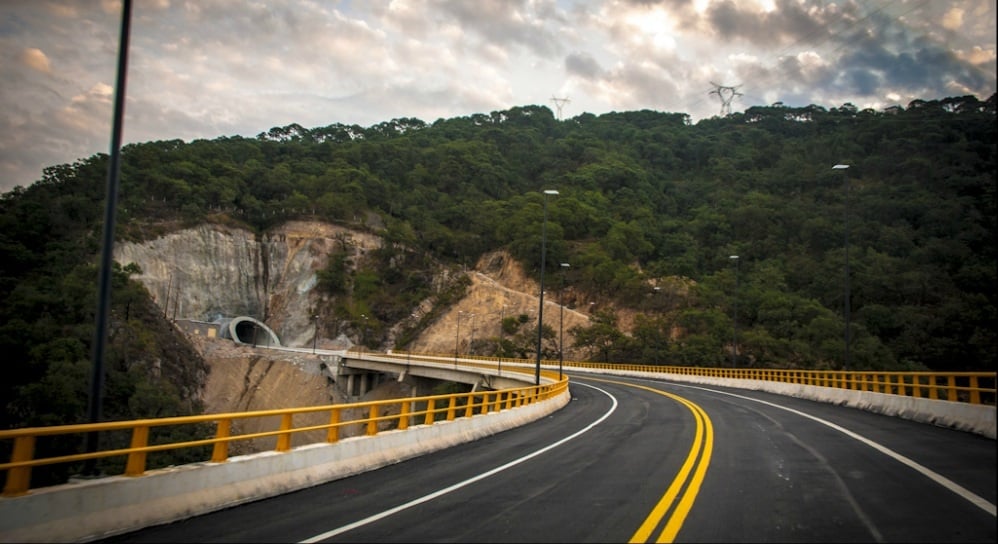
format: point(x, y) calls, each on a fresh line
point(95, 509)
point(973, 418)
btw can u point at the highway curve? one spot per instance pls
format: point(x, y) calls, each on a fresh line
point(641, 460)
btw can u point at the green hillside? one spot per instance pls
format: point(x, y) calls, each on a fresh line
point(645, 198)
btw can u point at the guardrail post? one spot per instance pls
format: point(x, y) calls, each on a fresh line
point(451, 408)
point(951, 389)
point(284, 439)
point(916, 386)
point(431, 410)
point(975, 392)
point(19, 478)
point(469, 410)
point(220, 451)
point(136, 464)
point(372, 421)
point(404, 416)
point(333, 433)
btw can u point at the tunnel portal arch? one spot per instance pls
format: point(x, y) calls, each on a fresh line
point(248, 330)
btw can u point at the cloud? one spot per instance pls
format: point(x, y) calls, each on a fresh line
point(230, 67)
point(582, 65)
point(35, 59)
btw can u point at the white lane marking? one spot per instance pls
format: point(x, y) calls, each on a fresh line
point(459, 485)
point(963, 492)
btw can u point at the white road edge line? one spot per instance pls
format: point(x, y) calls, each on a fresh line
point(963, 492)
point(459, 485)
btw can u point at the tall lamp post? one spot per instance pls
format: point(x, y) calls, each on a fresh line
point(100, 339)
point(658, 335)
point(363, 336)
point(315, 335)
point(457, 336)
point(845, 221)
point(561, 321)
point(502, 318)
point(734, 322)
point(471, 343)
point(540, 307)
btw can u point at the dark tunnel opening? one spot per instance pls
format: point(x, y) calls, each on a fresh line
point(245, 331)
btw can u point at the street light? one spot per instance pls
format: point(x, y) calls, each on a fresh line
point(457, 336)
point(363, 336)
point(658, 339)
point(502, 318)
point(471, 343)
point(845, 220)
point(734, 322)
point(540, 307)
point(561, 321)
point(315, 335)
point(110, 209)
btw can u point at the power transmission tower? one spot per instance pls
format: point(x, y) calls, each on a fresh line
point(559, 103)
point(726, 94)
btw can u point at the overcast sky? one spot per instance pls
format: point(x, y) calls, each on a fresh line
point(211, 68)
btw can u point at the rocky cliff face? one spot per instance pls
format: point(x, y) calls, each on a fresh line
point(213, 271)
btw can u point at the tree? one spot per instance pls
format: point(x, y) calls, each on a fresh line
point(601, 337)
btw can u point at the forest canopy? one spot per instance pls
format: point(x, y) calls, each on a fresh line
point(645, 199)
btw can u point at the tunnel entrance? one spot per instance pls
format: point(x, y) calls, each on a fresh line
point(247, 330)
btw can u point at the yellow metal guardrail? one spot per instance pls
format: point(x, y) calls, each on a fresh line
point(968, 387)
point(374, 416)
point(369, 417)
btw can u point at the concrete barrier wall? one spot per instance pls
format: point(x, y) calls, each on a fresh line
point(93, 509)
point(974, 418)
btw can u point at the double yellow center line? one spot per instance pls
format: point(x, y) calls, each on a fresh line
point(674, 506)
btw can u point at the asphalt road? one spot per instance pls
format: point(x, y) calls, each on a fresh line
point(640, 460)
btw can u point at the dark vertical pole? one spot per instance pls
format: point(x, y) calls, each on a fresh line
point(734, 323)
point(561, 325)
point(315, 335)
point(176, 304)
point(110, 207)
point(847, 304)
point(166, 306)
point(471, 343)
point(457, 336)
point(540, 309)
point(502, 316)
point(658, 327)
point(845, 223)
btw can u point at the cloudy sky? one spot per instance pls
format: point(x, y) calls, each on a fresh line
point(210, 68)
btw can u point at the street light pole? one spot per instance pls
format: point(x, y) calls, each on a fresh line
point(561, 321)
point(845, 221)
point(658, 339)
point(363, 336)
point(315, 335)
point(502, 318)
point(457, 336)
point(540, 308)
point(734, 322)
point(471, 343)
point(95, 400)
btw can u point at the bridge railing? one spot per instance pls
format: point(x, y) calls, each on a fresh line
point(363, 418)
point(967, 387)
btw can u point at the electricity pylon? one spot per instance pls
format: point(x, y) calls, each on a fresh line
point(559, 103)
point(726, 94)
